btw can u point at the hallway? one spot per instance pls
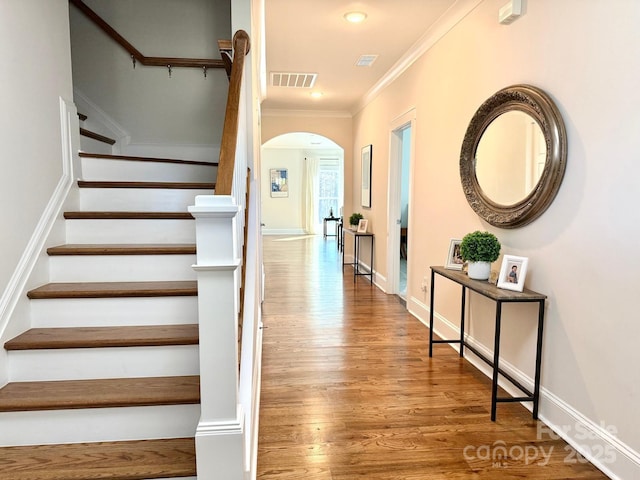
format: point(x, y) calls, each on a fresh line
point(348, 389)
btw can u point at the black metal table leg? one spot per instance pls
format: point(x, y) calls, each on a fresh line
point(371, 264)
point(496, 358)
point(343, 253)
point(536, 386)
point(431, 314)
point(462, 306)
point(356, 247)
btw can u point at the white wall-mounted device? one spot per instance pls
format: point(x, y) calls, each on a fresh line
point(510, 12)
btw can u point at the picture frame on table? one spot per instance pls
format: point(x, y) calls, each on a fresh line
point(454, 258)
point(513, 273)
point(362, 225)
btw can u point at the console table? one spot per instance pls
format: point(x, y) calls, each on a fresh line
point(324, 226)
point(500, 296)
point(357, 268)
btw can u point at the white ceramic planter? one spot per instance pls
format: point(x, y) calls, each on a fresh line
point(479, 270)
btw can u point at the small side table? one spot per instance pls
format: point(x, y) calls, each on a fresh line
point(324, 226)
point(357, 268)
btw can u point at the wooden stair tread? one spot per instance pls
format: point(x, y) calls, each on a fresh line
point(96, 136)
point(100, 393)
point(106, 156)
point(115, 289)
point(126, 460)
point(99, 337)
point(128, 216)
point(166, 185)
point(82, 116)
point(124, 249)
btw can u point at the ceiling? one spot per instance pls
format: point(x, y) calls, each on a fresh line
point(311, 36)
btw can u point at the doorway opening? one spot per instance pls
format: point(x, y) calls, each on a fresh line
point(400, 170)
point(309, 170)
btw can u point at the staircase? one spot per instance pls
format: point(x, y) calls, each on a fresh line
point(106, 382)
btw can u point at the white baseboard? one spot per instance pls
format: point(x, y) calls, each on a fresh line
point(597, 443)
point(380, 281)
point(283, 231)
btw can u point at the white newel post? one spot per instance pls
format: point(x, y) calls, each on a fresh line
point(220, 433)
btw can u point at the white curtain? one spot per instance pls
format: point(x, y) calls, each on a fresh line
point(312, 227)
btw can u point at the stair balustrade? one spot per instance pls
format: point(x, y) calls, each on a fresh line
point(224, 433)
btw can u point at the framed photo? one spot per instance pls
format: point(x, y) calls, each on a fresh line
point(362, 225)
point(454, 258)
point(366, 176)
point(279, 182)
point(513, 273)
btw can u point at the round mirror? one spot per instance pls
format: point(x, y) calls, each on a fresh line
point(513, 156)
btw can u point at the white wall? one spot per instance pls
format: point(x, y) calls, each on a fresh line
point(153, 114)
point(585, 55)
point(35, 64)
point(284, 215)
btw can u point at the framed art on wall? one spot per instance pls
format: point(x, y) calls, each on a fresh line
point(366, 176)
point(279, 182)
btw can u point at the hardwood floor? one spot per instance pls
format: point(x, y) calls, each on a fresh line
point(349, 391)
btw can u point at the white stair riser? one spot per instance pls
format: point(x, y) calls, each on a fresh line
point(96, 312)
point(130, 231)
point(139, 199)
point(92, 145)
point(132, 171)
point(98, 424)
point(111, 362)
point(121, 268)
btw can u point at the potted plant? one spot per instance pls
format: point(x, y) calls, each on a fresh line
point(479, 249)
point(354, 219)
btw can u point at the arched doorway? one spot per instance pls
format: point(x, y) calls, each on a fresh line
point(302, 181)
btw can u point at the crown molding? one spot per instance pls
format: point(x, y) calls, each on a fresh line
point(272, 112)
point(449, 19)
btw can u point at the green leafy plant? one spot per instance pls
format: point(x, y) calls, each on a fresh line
point(480, 247)
point(355, 218)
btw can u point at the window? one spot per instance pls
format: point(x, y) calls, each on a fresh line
point(329, 188)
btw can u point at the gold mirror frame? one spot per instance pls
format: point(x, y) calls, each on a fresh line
point(542, 109)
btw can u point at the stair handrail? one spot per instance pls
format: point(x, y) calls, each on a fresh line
point(226, 163)
point(136, 55)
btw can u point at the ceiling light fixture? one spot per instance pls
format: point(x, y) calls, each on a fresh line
point(355, 17)
point(316, 94)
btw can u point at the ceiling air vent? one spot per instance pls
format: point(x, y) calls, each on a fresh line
point(366, 60)
point(293, 80)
